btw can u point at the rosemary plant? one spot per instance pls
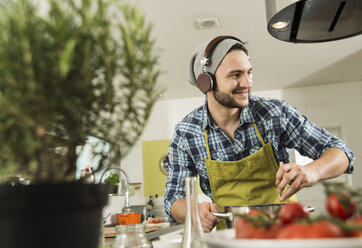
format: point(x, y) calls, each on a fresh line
point(70, 70)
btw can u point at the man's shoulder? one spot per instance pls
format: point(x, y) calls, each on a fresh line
point(193, 122)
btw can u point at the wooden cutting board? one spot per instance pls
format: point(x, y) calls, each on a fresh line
point(110, 231)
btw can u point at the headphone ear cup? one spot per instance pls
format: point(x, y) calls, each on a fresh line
point(205, 82)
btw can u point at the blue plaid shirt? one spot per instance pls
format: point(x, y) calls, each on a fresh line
point(278, 123)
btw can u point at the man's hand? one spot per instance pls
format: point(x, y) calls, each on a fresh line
point(297, 176)
point(208, 220)
point(332, 163)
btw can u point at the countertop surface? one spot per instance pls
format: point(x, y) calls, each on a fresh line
point(168, 238)
point(164, 230)
point(153, 232)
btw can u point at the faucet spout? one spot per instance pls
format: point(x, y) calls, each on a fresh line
point(127, 205)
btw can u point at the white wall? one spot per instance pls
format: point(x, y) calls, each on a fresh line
point(165, 115)
point(334, 105)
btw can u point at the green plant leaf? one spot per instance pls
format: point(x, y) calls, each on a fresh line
point(83, 68)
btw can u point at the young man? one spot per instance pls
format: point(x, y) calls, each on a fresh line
point(236, 142)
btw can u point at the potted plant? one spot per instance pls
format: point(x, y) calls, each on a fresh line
point(69, 70)
point(113, 180)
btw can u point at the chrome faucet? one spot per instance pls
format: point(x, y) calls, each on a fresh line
point(127, 206)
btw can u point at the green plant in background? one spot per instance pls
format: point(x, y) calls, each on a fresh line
point(113, 178)
point(72, 70)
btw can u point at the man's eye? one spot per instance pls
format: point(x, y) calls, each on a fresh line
point(235, 75)
point(250, 74)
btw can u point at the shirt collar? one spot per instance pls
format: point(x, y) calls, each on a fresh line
point(246, 115)
point(206, 119)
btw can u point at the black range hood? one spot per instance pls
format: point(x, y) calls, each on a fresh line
point(310, 21)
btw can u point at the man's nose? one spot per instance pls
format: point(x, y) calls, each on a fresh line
point(246, 80)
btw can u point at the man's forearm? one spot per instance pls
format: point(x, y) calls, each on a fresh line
point(332, 163)
point(178, 210)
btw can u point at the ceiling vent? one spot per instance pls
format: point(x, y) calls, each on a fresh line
point(308, 21)
point(207, 23)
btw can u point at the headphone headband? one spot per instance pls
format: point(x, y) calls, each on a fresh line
point(212, 44)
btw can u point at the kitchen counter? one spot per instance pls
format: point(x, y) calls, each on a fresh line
point(161, 235)
point(170, 237)
point(163, 231)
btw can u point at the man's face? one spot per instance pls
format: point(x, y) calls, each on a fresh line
point(234, 80)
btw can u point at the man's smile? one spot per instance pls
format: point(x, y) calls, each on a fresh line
point(242, 92)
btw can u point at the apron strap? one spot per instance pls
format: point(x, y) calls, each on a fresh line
point(258, 133)
point(207, 144)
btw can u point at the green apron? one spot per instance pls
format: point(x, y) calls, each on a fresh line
point(248, 181)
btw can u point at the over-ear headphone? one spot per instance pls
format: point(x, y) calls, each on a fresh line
point(205, 81)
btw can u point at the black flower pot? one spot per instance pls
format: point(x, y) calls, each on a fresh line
point(114, 189)
point(63, 215)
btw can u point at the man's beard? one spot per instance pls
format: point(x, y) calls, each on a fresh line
point(226, 100)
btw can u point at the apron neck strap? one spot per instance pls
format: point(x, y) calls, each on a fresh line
point(258, 133)
point(207, 144)
point(207, 139)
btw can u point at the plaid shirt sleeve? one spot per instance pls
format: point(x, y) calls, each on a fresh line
point(180, 166)
point(307, 138)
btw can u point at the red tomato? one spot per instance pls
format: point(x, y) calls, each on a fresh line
point(256, 225)
point(319, 229)
point(356, 234)
point(357, 222)
point(293, 231)
point(326, 229)
point(292, 211)
point(275, 228)
point(340, 205)
point(246, 230)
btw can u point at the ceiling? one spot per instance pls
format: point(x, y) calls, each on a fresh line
point(276, 64)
